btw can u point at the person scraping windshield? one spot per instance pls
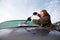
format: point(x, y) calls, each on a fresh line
point(44, 21)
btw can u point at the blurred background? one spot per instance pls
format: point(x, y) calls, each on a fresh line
point(22, 9)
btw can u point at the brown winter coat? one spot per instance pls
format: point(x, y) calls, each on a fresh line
point(44, 21)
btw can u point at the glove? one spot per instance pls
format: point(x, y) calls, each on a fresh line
point(35, 13)
point(29, 19)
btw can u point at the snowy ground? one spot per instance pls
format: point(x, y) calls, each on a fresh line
point(21, 34)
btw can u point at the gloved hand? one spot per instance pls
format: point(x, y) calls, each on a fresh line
point(29, 19)
point(35, 13)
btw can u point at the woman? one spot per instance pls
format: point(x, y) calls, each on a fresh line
point(44, 20)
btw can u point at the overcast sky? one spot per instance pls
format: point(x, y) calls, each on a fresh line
point(22, 9)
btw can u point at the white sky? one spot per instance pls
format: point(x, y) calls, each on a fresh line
point(22, 9)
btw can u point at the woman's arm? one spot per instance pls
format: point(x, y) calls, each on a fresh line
point(38, 15)
point(36, 21)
